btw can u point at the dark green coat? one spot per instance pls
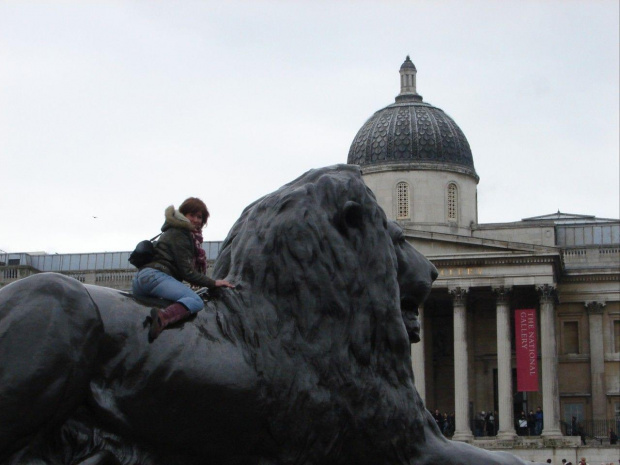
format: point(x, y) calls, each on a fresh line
point(174, 251)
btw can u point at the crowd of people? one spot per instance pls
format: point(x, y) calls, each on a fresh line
point(582, 461)
point(445, 422)
point(530, 424)
point(486, 424)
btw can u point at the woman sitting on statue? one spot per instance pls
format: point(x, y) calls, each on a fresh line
point(178, 257)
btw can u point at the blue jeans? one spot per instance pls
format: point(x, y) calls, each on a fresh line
point(150, 282)
point(539, 427)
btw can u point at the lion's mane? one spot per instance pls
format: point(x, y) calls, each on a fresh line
point(318, 270)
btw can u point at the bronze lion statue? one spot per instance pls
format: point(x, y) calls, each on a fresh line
point(307, 361)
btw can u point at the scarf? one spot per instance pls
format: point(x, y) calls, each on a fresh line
point(200, 257)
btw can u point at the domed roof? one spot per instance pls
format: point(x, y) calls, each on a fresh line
point(407, 64)
point(412, 134)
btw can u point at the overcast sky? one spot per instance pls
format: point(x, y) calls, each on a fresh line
point(112, 110)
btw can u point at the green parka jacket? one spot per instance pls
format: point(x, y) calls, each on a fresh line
point(174, 251)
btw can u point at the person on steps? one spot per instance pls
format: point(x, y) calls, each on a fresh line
point(178, 257)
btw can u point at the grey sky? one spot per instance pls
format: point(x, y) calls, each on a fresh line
point(115, 110)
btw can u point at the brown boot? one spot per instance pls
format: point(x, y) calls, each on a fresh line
point(162, 318)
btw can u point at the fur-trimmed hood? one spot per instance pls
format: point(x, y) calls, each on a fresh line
point(175, 219)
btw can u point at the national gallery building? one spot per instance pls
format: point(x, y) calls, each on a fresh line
point(523, 315)
point(545, 288)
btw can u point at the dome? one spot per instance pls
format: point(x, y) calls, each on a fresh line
point(411, 134)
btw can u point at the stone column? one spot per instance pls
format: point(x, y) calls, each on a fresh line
point(597, 360)
point(462, 430)
point(504, 365)
point(418, 359)
point(549, 355)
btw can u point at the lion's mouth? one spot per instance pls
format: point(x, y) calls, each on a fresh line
point(409, 305)
point(410, 313)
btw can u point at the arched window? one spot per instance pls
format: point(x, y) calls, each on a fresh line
point(453, 201)
point(402, 200)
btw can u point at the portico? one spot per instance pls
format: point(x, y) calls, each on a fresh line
point(476, 295)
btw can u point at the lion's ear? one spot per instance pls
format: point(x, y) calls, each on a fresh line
point(352, 215)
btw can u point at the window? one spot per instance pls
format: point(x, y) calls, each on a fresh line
point(616, 335)
point(453, 199)
point(573, 410)
point(402, 200)
point(570, 337)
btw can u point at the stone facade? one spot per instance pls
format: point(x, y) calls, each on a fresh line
point(428, 198)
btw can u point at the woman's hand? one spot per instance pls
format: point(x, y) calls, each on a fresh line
point(223, 283)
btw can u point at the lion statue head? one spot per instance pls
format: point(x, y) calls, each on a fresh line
point(338, 288)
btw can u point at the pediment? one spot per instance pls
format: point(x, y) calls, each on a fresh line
point(434, 244)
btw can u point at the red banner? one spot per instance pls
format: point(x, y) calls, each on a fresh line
point(527, 354)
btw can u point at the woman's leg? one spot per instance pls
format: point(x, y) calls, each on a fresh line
point(151, 282)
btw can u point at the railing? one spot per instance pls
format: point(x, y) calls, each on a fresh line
point(114, 276)
point(591, 257)
point(13, 273)
point(10, 273)
point(591, 429)
point(119, 279)
point(574, 253)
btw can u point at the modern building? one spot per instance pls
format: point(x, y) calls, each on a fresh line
point(546, 288)
point(556, 276)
